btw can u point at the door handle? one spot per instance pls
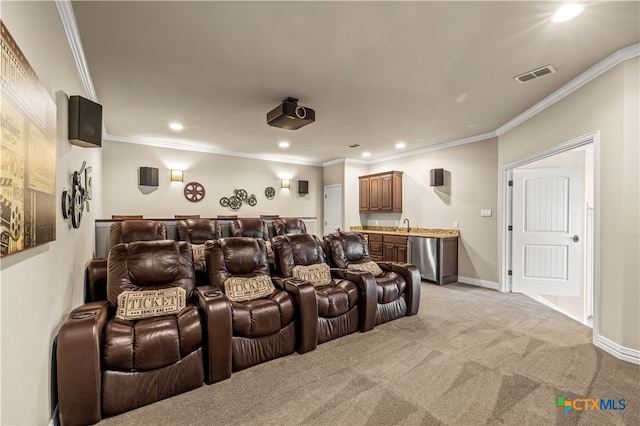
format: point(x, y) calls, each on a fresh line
point(575, 238)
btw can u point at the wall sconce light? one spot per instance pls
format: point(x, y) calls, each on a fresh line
point(285, 184)
point(177, 175)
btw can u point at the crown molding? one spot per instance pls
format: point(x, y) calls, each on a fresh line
point(208, 150)
point(67, 17)
point(437, 147)
point(592, 73)
point(65, 10)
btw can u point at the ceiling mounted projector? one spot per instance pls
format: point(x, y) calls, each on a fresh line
point(289, 115)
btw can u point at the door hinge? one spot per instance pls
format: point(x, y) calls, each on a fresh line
point(509, 272)
point(510, 183)
point(509, 228)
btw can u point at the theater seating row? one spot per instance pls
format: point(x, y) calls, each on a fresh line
point(156, 333)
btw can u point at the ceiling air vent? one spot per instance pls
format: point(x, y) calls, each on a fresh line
point(532, 75)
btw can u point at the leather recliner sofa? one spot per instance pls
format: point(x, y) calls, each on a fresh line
point(397, 284)
point(346, 300)
point(108, 364)
point(249, 332)
point(125, 231)
point(288, 225)
point(196, 232)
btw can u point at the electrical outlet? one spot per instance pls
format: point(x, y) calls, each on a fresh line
point(485, 212)
point(456, 224)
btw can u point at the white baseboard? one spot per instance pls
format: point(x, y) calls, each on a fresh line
point(478, 282)
point(620, 352)
point(612, 348)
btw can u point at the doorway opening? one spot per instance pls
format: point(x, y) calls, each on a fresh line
point(584, 308)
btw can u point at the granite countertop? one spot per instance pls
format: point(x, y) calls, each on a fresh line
point(414, 232)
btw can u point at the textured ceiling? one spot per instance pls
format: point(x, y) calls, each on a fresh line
point(375, 72)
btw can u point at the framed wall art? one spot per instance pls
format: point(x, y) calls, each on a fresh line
point(27, 153)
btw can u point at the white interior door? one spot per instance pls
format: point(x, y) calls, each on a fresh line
point(332, 208)
point(547, 225)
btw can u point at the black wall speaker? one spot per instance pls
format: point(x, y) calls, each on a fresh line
point(303, 187)
point(85, 122)
point(437, 177)
point(148, 176)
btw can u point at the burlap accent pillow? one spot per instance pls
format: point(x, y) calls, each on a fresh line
point(371, 266)
point(318, 274)
point(140, 304)
point(240, 289)
point(198, 252)
point(267, 244)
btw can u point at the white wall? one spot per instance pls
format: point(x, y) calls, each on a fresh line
point(610, 103)
point(40, 285)
point(471, 174)
point(218, 174)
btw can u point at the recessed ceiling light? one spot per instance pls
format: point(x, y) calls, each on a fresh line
point(283, 144)
point(568, 11)
point(366, 154)
point(401, 145)
point(176, 126)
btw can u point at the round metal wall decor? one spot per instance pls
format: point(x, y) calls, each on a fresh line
point(270, 192)
point(234, 202)
point(194, 192)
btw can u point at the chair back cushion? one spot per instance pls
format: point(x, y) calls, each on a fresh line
point(197, 231)
point(345, 248)
point(149, 265)
point(253, 228)
point(288, 225)
point(129, 231)
point(235, 256)
point(296, 249)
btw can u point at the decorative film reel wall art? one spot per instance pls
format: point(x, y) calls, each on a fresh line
point(75, 199)
point(234, 203)
point(194, 192)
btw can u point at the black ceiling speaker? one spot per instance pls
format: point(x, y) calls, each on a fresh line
point(148, 176)
point(85, 122)
point(289, 115)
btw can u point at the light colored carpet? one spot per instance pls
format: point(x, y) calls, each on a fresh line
point(471, 356)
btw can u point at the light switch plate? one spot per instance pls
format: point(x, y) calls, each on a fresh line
point(485, 212)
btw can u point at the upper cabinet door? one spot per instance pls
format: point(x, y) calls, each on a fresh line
point(364, 194)
point(381, 192)
point(374, 194)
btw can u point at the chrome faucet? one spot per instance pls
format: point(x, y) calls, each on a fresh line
point(407, 222)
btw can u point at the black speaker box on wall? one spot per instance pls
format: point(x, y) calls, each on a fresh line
point(303, 187)
point(85, 122)
point(148, 176)
point(437, 177)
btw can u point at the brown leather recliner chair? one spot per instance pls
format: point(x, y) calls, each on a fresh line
point(126, 231)
point(197, 232)
point(258, 330)
point(289, 225)
point(254, 228)
point(107, 365)
point(346, 300)
point(398, 284)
